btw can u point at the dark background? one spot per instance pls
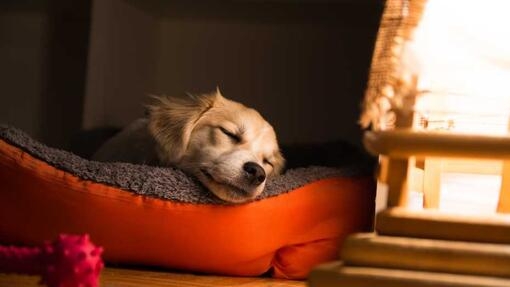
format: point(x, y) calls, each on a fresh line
point(69, 66)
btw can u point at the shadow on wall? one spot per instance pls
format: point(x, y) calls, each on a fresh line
point(43, 57)
point(302, 64)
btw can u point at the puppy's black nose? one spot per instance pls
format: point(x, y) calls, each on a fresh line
point(256, 174)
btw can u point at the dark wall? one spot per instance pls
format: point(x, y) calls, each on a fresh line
point(68, 31)
point(23, 53)
point(303, 64)
point(43, 56)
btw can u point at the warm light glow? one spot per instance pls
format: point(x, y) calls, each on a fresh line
point(460, 53)
point(465, 186)
point(469, 193)
point(443, 67)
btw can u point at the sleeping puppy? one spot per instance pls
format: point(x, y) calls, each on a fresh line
point(230, 148)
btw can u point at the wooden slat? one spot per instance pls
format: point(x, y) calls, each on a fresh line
point(432, 183)
point(336, 275)
point(394, 173)
point(439, 225)
point(504, 192)
point(406, 143)
point(368, 249)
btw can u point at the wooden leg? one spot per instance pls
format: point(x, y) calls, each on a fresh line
point(504, 193)
point(393, 172)
point(432, 183)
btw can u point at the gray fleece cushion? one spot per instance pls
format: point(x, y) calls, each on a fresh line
point(163, 182)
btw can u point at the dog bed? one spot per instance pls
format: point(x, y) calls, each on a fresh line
point(155, 216)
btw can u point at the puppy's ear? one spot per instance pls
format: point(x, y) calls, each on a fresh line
point(171, 121)
point(279, 163)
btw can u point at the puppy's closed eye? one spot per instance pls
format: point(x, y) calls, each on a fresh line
point(234, 137)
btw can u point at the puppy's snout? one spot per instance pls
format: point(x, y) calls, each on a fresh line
point(255, 173)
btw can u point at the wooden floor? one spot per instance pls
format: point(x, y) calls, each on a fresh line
point(116, 277)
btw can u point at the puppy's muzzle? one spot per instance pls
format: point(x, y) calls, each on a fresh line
point(255, 174)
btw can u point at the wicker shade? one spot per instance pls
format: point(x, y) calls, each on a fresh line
point(441, 64)
point(438, 103)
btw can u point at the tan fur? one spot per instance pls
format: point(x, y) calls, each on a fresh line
point(192, 134)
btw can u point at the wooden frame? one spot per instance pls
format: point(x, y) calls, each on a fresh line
point(439, 225)
point(396, 146)
point(429, 247)
point(402, 144)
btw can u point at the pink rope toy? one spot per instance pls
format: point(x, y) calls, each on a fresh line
point(69, 261)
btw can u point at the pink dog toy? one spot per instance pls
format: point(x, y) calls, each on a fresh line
point(69, 261)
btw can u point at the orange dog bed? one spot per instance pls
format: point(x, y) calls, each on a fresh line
point(154, 221)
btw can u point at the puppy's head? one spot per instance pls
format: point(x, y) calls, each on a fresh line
point(230, 148)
